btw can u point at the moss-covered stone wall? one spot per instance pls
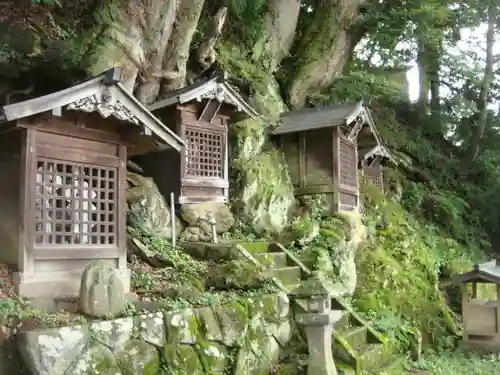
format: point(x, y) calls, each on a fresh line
point(243, 338)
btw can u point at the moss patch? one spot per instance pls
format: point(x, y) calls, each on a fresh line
point(399, 271)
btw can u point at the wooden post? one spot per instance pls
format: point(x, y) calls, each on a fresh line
point(474, 290)
point(302, 160)
point(465, 302)
point(498, 311)
point(172, 218)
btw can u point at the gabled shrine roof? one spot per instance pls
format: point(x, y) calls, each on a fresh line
point(323, 117)
point(486, 272)
point(214, 88)
point(331, 116)
point(103, 94)
point(378, 150)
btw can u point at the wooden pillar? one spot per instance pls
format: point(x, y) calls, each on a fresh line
point(465, 305)
point(474, 290)
point(498, 311)
point(302, 160)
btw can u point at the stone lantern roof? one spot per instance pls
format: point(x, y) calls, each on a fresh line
point(315, 286)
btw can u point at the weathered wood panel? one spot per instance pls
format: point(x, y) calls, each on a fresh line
point(289, 144)
point(319, 157)
point(10, 193)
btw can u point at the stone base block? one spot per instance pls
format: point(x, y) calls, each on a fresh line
point(57, 284)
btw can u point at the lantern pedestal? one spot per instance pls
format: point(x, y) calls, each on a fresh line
point(318, 321)
point(318, 328)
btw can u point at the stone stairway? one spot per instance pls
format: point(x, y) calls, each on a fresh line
point(357, 347)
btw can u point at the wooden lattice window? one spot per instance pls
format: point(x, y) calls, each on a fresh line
point(348, 164)
point(204, 153)
point(374, 175)
point(75, 204)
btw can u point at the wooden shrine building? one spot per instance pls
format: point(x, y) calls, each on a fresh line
point(480, 314)
point(63, 159)
point(199, 114)
point(324, 147)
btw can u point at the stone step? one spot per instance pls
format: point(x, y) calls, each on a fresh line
point(288, 275)
point(355, 336)
point(394, 365)
point(343, 324)
point(273, 260)
point(373, 355)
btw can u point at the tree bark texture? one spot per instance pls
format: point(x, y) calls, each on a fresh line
point(136, 39)
point(482, 102)
point(323, 50)
point(280, 23)
point(177, 54)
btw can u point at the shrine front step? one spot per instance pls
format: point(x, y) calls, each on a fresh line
point(272, 260)
point(289, 276)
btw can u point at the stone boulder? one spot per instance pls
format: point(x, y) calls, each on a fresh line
point(196, 215)
point(195, 234)
point(101, 291)
point(264, 193)
point(147, 209)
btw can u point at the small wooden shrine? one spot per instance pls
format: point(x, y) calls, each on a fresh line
point(199, 114)
point(481, 316)
point(372, 162)
point(324, 147)
point(63, 159)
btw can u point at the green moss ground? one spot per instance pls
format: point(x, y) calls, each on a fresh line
point(399, 270)
point(458, 363)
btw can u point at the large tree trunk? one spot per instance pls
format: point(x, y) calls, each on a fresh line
point(157, 23)
point(279, 30)
point(323, 50)
point(177, 54)
point(482, 102)
point(423, 79)
point(136, 39)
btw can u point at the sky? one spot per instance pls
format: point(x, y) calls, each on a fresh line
point(470, 37)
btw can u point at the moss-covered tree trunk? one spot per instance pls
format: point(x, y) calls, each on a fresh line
point(278, 33)
point(177, 54)
point(323, 50)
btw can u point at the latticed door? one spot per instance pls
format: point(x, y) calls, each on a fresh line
point(348, 176)
point(204, 154)
point(374, 175)
point(76, 203)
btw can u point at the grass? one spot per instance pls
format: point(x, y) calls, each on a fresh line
point(458, 363)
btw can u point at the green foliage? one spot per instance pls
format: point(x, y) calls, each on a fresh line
point(460, 363)
point(246, 18)
point(47, 2)
point(180, 260)
point(399, 272)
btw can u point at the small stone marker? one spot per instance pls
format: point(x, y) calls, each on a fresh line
point(101, 291)
point(211, 220)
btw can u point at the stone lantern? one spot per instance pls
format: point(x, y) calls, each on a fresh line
point(318, 322)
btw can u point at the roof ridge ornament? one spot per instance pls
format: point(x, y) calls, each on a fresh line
point(106, 105)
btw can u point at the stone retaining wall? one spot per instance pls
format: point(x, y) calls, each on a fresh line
point(243, 338)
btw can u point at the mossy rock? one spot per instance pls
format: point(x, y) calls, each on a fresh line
point(182, 327)
point(213, 357)
point(208, 324)
point(234, 322)
point(182, 359)
point(138, 357)
point(96, 359)
point(257, 357)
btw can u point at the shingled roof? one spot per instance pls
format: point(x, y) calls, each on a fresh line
point(216, 88)
point(486, 272)
point(103, 94)
point(320, 117)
